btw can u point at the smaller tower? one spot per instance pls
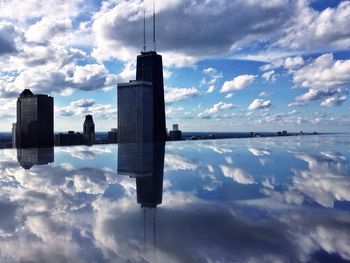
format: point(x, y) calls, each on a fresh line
point(89, 130)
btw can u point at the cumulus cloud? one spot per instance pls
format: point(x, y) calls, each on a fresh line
point(177, 94)
point(117, 33)
point(87, 106)
point(238, 83)
point(45, 29)
point(259, 104)
point(218, 107)
point(8, 37)
point(237, 174)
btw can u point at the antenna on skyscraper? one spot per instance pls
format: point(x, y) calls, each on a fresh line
point(144, 31)
point(154, 25)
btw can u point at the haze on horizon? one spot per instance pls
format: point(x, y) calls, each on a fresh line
point(229, 65)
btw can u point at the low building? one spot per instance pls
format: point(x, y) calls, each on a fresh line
point(113, 136)
point(175, 134)
point(69, 139)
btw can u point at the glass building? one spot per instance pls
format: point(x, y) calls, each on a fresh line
point(35, 120)
point(135, 112)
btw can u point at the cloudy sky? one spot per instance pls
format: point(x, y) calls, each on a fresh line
point(242, 65)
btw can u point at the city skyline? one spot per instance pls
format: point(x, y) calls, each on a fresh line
point(264, 67)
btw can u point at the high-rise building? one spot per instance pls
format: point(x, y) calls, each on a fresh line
point(89, 130)
point(135, 112)
point(150, 68)
point(14, 135)
point(34, 128)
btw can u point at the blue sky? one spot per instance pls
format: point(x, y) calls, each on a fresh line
point(228, 65)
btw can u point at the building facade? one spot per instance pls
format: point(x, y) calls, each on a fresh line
point(150, 68)
point(35, 121)
point(69, 139)
point(135, 112)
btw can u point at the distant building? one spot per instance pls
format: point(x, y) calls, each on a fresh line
point(150, 68)
point(27, 158)
point(69, 139)
point(175, 134)
point(34, 128)
point(113, 136)
point(14, 135)
point(135, 112)
point(89, 130)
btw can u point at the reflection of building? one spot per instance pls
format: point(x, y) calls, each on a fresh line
point(34, 120)
point(145, 162)
point(135, 112)
point(14, 135)
point(175, 134)
point(35, 156)
point(113, 136)
point(89, 130)
point(69, 139)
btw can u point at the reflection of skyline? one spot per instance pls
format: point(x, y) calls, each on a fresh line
point(82, 212)
point(27, 158)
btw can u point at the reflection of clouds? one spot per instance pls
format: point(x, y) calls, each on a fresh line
point(85, 152)
point(259, 152)
point(325, 181)
point(237, 174)
point(173, 162)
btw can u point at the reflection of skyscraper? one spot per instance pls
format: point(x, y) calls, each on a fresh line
point(89, 130)
point(135, 112)
point(34, 120)
point(145, 162)
point(35, 156)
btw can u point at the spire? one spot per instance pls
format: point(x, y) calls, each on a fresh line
point(144, 31)
point(154, 25)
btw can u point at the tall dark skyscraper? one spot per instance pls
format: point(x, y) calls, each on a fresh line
point(34, 128)
point(150, 68)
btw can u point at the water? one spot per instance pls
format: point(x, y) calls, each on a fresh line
point(280, 199)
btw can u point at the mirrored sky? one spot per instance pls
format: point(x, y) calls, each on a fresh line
point(242, 200)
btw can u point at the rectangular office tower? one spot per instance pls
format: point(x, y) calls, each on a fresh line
point(135, 112)
point(34, 121)
point(150, 68)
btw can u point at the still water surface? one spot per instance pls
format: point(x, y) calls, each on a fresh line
point(280, 199)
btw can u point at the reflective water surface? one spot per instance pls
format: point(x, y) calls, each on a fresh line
point(243, 200)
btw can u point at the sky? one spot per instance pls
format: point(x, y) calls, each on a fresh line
point(229, 65)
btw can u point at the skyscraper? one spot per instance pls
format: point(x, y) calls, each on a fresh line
point(35, 156)
point(14, 128)
point(35, 122)
point(150, 68)
point(135, 112)
point(89, 130)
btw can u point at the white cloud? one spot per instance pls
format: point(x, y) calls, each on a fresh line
point(260, 104)
point(238, 83)
point(269, 76)
point(237, 174)
point(177, 94)
point(45, 29)
point(230, 95)
point(218, 107)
